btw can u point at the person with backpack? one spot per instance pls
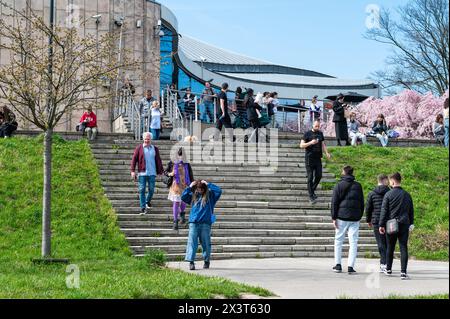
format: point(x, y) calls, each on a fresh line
point(373, 210)
point(347, 208)
point(397, 221)
point(181, 172)
point(203, 197)
point(8, 123)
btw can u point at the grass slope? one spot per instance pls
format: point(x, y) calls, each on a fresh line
point(84, 229)
point(426, 178)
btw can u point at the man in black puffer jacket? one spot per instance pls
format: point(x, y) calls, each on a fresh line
point(397, 204)
point(347, 208)
point(373, 210)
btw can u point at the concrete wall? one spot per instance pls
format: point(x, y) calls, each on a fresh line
point(141, 41)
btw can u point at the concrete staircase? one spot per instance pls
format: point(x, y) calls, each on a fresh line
point(258, 216)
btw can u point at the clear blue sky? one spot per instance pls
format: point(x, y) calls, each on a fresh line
point(320, 35)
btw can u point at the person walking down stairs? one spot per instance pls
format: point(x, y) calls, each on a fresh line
point(146, 157)
point(181, 172)
point(203, 197)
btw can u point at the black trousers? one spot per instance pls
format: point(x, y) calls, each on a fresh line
point(221, 122)
point(382, 244)
point(314, 171)
point(402, 236)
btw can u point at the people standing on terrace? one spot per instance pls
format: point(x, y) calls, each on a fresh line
point(207, 105)
point(224, 116)
point(252, 115)
point(340, 121)
point(189, 104)
point(155, 120)
point(145, 107)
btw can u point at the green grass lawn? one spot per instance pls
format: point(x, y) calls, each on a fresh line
point(84, 229)
point(425, 174)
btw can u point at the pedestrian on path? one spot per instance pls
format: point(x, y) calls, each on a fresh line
point(397, 208)
point(313, 143)
point(203, 197)
point(373, 211)
point(347, 208)
point(182, 174)
point(146, 157)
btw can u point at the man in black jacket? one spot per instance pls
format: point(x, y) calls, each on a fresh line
point(340, 121)
point(397, 204)
point(373, 210)
point(347, 208)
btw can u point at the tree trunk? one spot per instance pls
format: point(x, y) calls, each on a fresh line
point(46, 209)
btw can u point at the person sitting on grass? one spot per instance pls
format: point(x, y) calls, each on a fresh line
point(203, 198)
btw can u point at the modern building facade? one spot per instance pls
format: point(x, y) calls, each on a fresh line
point(189, 62)
point(150, 30)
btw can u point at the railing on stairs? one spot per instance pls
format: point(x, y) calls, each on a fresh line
point(129, 111)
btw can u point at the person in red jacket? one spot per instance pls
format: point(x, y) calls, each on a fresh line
point(89, 121)
point(147, 158)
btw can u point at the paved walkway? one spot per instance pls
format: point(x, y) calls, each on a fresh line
point(312, 278)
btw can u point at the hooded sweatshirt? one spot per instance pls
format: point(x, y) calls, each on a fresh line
point(374, 202)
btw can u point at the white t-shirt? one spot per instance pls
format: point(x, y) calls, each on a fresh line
point(156, 119)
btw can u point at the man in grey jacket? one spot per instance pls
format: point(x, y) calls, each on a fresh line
point(397, 204)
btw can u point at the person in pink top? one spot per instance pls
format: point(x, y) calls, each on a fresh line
point(89, 121)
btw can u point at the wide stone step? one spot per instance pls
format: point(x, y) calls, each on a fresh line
point(229, 211)
point(181, 249)
point(293, 197)
point(213, 173)
point(231, 204)
point(286, 236)
point(224, 186)
point(131, 191)
point(242, 241)
point(238, 225)
point(136, 220)
point(222, 179)
point(223, 164)
point(207, 151)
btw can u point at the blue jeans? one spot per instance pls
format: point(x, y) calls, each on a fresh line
point(196, 231)
point(206, 110)
point(446, 132)
point(155, 134)
point(353, 236)
point(143, 181)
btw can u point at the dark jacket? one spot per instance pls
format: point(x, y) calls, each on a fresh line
point(251, 109)
point(169, 170)
point(374, 202)
point(139, 160)
point(349, 206)
point(397, 204)
point(339, 112)
point(379, 128)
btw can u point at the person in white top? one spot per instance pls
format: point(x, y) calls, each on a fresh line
point(155, 124)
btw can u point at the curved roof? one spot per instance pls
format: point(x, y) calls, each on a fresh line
point(196, 50)
point(298, 79)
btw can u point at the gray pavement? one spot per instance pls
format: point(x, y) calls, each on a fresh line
point(312, 278)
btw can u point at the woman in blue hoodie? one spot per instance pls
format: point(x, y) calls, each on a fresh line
point(203, 198)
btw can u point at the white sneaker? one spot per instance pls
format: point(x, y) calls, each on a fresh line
point(404, 276)
point(382, 268)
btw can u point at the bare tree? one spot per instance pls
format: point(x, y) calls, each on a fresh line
point(420, 41)
point(54, 71)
